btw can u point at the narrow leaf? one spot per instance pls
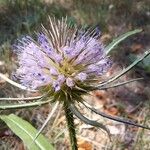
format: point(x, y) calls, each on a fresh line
point(23, 105)
point(26, 132)
point(119, 39)
point(21, 98)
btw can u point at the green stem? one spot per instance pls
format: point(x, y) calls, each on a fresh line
point(71, 126)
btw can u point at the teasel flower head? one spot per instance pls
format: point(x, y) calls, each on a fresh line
point(65, 63)
point(62, 59)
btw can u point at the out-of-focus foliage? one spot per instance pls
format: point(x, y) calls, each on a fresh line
point(22, 17)
point(145, 64)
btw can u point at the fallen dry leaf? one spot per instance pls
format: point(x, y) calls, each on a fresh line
point(136, 47)
point(105, 37)
point(102, 96)
point(112, 111)
point(84, 145)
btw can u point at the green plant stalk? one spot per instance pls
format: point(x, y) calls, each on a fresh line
point(71, 126)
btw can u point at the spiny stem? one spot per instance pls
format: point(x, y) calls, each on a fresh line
point(71, 126)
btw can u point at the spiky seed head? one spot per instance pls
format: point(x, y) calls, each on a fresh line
point(62, 59)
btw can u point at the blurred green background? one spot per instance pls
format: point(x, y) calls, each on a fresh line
point(19, 17)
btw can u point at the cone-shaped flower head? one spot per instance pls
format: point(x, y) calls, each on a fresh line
point(61, 58)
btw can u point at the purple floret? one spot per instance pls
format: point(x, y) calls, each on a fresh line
point(60, 57)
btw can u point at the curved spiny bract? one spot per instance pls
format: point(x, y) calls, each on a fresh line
point(114, 118)
point(21, 98)
point(93, 123)
point(124, 71)
point(24, 105)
